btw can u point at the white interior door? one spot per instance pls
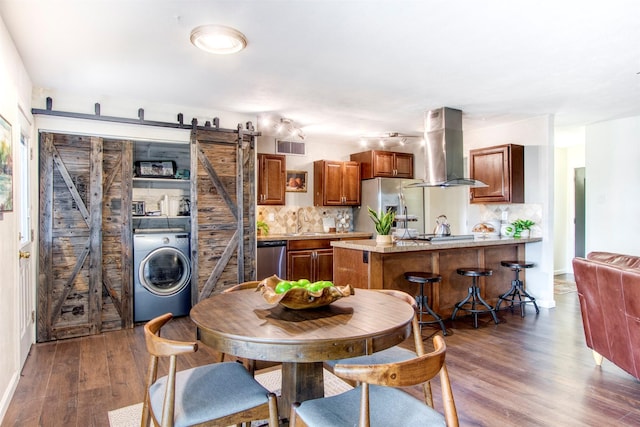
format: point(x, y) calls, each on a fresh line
point(26, 293)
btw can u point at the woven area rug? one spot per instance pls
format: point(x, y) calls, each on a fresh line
point(130, 416)
point(564, 286)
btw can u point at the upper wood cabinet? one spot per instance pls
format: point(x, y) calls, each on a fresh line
point(271, 179)
point(387, 164)
point(336, 183)
point(502, 169)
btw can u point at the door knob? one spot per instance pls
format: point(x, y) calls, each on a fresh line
point(24, 254)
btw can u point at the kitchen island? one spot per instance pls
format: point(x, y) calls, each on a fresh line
point(366, 264)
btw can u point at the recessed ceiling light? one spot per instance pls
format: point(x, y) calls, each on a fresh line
point(218, 39)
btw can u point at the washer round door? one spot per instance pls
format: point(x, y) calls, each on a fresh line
point(164, 271)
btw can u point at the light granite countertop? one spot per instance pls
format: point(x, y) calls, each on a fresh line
point(314, 235)
point(370, 245)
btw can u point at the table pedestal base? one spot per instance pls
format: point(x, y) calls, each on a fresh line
point(300, 382)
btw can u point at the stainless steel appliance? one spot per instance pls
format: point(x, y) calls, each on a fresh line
point(444, 161)
point(162, 272)
point(380, 194)
point(272, 259)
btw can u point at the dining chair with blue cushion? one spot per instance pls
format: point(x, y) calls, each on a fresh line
point(377, 401)
point(218, 394)
point(392, 354)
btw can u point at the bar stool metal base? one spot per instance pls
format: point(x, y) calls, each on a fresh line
point(473, 298)
point(422, 277)
point(517, 295)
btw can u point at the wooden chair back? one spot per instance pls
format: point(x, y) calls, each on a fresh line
point(250, 364)
point(403, 374)
point(162, 347)
point(415, 326)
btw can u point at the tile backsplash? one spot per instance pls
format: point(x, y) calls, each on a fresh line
point(533, 211)
point(283, 219)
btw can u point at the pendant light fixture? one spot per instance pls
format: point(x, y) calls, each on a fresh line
point(218, 39)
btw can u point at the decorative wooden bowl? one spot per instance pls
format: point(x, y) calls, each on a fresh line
point(301, 298)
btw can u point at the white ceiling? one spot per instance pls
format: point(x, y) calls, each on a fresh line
point(344, 67)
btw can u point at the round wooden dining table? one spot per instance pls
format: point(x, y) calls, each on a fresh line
point(243, 324)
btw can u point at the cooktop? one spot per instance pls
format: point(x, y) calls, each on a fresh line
point(434, 238)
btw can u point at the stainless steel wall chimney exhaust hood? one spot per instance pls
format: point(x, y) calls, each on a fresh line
point(444, 158)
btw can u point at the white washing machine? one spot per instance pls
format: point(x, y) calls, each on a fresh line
point(162, 273)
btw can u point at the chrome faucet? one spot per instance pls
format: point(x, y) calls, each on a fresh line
point(299, 220)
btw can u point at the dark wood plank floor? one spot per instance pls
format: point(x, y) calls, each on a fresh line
point(532, 371)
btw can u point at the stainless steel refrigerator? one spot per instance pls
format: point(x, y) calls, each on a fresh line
point(381, 194)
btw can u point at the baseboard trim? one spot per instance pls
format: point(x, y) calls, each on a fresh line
point(8, 394)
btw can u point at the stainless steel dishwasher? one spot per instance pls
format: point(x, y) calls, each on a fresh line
point(272, 259)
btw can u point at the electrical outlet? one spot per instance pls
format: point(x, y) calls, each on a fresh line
point(272, 216)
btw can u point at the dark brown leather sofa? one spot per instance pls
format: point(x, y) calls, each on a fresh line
point(609, 291)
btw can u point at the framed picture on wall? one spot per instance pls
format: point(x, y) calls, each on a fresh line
point(297, 181)
point(6, 167)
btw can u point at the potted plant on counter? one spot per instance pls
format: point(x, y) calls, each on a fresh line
point(522, 228)
point(382, 222)
point(263, 228)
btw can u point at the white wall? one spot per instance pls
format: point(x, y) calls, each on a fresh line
point(613, 186)
point(15, 87)
point(569, 155)
point(537, 136)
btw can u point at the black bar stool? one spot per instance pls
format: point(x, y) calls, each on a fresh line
point(423, 277)
point(473, 298)
point(517, 294)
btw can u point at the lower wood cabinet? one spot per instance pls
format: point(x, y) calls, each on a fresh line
point(314, 264)
point(310, 259)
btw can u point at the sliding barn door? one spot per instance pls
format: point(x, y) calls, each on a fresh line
point(223, 241)
point(84, 280)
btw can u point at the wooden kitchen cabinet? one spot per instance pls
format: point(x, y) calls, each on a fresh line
point(386, 164)
point(336, 183)
point(502, 169)
point(312, 264)
point(310, 259)
point(271, 179)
